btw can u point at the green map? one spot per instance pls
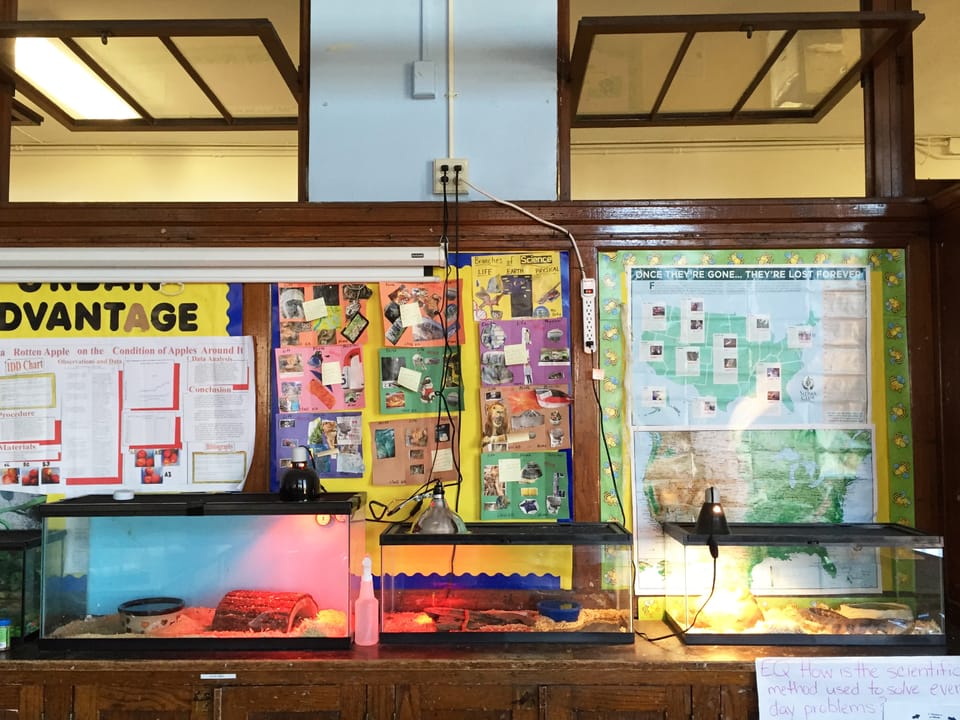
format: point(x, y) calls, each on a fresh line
point(769, 475)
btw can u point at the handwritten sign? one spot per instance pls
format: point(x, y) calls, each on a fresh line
point(858, 688)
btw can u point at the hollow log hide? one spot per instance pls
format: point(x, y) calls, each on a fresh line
point(263, 611)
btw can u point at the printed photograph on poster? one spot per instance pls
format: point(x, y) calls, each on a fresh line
point(44, 474)
point(155, 465)
point(414, 379)
point(317, 379)
point(524, 352)
point(313, 314)
point(421, 314)
point(517, 285)
point(535, 417)
point(335, 441)
point(414, 451)
point(524, 486)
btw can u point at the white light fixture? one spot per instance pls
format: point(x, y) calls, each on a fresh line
point(60, 76)
point(218, 264)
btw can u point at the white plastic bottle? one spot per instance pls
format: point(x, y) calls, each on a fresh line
point(366, 609)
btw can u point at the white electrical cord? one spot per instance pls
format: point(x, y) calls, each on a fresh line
point(547, 223)
point(588, 286)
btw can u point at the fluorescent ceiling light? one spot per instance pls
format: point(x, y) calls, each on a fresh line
point(218, 264)
point(63, 78)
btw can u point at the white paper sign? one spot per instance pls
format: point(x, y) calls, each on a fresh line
point(803, 688)
point(138, 413)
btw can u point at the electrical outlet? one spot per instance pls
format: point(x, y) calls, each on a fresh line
point(588, 298)
point(450, 164)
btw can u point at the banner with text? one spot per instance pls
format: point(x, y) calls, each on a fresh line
point(45, 310)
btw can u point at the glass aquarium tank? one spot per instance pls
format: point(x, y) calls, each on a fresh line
point(201, 571)
point(805, 584)
point(20, 581)
point(501, 581)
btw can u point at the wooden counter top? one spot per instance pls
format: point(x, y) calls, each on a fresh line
point(670, 654)
point(541, 681)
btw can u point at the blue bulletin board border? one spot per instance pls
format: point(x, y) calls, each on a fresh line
point(235, 309)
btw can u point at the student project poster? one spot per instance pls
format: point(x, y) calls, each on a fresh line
point(414, 380)
point(334, 441)
point(518, 285)
point(79, 416)
point(524, 486)
point(524, 352)
point(323, 313)
point(317, 379)
point(415, 451)
point(421, 314)
point(525, 418)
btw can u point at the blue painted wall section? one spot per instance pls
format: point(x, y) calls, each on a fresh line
point(372, 141)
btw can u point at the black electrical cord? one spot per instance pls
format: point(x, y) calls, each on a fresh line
point(379, 511)
point(713, 586)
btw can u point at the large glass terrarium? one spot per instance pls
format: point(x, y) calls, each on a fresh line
point(805, 584)
point(20, 581)
point(195, 571)
point(523, 582)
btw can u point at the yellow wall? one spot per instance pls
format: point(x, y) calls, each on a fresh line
point(128, 174)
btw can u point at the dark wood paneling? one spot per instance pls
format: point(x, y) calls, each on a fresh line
point(564, 111)
point(945, 297)
point(8, 11)
point(888, 116)
point(257, 321)
point(486, 227)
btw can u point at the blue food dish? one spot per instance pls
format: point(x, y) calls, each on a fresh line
point(560, 610)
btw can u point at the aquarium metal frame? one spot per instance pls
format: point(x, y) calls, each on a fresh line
point(185, 504)
point(514, 533)
point(745, 638)
point(867, 534)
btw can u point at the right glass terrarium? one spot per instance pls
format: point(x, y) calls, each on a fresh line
point(805, 584)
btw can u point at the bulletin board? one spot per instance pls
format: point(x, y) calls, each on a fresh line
point(434, 369)
point(670, 353)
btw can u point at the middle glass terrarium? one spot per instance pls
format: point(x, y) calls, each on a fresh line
point(522, 582)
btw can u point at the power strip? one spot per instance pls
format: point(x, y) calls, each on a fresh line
point(588, 298)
